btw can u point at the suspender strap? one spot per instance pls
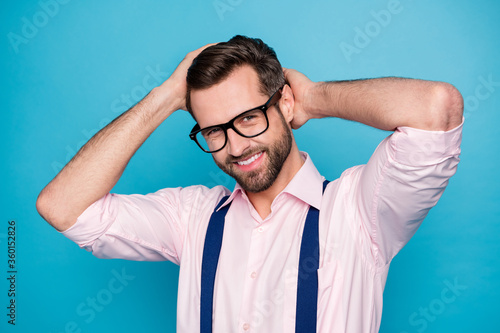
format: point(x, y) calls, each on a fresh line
point(325, 184)
point(307, 284)
point(211, 252)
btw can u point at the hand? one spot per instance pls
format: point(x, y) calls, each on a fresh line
point(301, 88)
point(176, 83)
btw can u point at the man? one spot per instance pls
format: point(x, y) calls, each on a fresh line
point(259, 279)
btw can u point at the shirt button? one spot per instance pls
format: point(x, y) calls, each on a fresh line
point(246, 326)
point(253, 275)
point(260, 229)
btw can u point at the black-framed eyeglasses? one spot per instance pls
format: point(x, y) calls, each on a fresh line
point(248, 124)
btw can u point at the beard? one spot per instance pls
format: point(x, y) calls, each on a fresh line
point(260, 180)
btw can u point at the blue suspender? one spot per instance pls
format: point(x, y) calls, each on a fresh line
point(211, 251)
point(307, 286)
point(307, 283)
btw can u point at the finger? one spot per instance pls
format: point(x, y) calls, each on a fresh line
point(193, 54)
point(286, 73)
point(205, 46)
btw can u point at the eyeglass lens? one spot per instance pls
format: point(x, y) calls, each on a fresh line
point(248, 124)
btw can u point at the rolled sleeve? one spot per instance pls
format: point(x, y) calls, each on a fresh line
point(403, 180)
point(147, 227)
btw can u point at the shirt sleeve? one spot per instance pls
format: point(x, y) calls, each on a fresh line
point(402, 181)
point(149, 227)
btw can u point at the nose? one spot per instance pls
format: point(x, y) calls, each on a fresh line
point(236, 144)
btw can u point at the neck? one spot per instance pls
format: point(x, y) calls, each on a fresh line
point(262, 200)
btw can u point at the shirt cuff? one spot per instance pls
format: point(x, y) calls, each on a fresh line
point(92, 223)
point(418, 147)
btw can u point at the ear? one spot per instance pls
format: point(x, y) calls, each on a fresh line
point(287, 103)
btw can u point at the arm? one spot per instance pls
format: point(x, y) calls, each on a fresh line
point(96, 168)
point(389, 197)
point(384, 103)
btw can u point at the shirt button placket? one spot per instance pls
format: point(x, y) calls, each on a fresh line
point(253, 275)
point(255, 261)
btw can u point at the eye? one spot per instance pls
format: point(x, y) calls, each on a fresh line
point(212, 132)
point(248, 117)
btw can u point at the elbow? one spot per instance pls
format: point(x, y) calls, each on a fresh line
point(42, 205)
point(45, 207)
point(447, 107)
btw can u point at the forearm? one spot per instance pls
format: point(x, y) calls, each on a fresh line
point(387, 103)
point(96, 168)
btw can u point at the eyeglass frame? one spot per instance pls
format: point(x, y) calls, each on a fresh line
point(273, 100)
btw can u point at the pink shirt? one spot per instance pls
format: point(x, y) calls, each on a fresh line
point(366, 217)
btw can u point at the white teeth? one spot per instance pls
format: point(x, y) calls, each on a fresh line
point(250, 160)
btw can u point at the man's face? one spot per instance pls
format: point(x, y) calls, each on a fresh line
point(254, 163)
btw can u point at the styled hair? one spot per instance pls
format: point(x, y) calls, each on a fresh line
point(216, 62)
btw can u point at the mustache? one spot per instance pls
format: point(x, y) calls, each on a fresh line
point(232, 159)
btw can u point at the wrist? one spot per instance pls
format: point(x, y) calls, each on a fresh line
point(322, 100)
point(165, 98)
point(315, 100)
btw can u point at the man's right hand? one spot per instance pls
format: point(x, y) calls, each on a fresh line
point(176, 83)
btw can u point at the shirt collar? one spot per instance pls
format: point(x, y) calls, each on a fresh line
point(306, 185)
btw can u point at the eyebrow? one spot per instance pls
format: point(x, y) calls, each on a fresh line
point(237, 114)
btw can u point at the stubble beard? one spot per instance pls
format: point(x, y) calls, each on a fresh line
point(260, 180)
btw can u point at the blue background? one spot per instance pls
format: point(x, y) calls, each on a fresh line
point(71, 73)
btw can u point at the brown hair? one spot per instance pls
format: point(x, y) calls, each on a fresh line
point(215, 63)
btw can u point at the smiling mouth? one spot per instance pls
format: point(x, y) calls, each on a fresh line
point(249, 160)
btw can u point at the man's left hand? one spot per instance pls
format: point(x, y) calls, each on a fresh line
point(301, 89)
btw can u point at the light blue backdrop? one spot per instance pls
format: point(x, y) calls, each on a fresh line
point(69, 68)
